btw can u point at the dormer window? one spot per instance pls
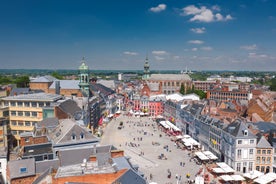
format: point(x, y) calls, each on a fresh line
point(81, 136)
point(73, 137)
point(245, 132)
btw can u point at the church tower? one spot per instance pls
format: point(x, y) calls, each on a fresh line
point(84, 77)
point(146, 74)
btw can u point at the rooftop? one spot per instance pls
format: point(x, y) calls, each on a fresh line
point(34, 97)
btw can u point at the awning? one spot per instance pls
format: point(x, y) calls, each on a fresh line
point(253, 174)
point(110, 115)
point(237, 177)
point(226, 177)
point(210, 155)
point(218, 170)
point(267, 178)
point(201, 156)
point(225, 167)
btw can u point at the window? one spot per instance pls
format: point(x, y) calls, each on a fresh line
point(263, 160)
point(27, 123)
point(73, 137)
point(268, 152)
point(239, 153)
point(20, 113)
point(34, 114)
point(238, 167)
point(252, 141)
point(258, 151)
point(27, 139)
point(14, 132)
point(268, 161)
point(34, 104)
point(258, 160)
point(20, 123)
point(23, 170)
point(262, 169)
point(239, 141)
point(19, 104)
point(250, 168)
point(13, 104)
point(263, 152)
point(81, 136)
point(45, 157)
point(27, 104)
point(251, 151)
point(14, 123)
point(258, 168)
point(13, 113)
point(41, 104)
point(27, 113)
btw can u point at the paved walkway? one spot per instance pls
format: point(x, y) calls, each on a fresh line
point(140, 139)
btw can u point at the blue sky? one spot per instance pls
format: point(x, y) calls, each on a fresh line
point(119, 35)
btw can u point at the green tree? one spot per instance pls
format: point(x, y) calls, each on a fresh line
point(22, 81)
point(182, 89)
point(273, 84)
point(57, 75)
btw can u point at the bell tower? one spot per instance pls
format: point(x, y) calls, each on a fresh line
point(146, 74)
point(84, 77)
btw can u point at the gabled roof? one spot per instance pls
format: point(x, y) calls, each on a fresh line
point(239, 129)
point(130, 176)
point(66, 84)
point(21, 168)
point(70, 107)
point(46, 78)
point(69, 132)
point(263, 143)
point(48, 123)
point(105, 91)
point(18, 91)
point(173, 77)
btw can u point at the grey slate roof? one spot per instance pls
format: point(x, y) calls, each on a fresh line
point(66, 84)
point(18, 91)
point(74, 156)
point(180, 77)
point(153, 86)
point(21, 168)
point(68, 128)
point(49, 123)
point(131, 177)
point(263, 143)
point(46, 78)
point(70, 107)
point(37, 149)
point(265, 126)
point(41, 166)
point(237, 129)
point(42, 97)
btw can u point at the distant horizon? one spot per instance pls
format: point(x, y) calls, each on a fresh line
point(120, 35)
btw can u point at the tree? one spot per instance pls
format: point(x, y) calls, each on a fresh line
point(182, 89)
point(273, 84)
point(22, 81)
point(57, 75)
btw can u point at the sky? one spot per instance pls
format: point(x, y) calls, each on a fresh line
point(119, 35)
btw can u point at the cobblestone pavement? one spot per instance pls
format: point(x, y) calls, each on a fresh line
point(140, 139)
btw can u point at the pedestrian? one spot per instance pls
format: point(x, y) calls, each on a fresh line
point(150, 176)
point(180, 163)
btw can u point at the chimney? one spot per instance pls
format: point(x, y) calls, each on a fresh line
point(57, 87)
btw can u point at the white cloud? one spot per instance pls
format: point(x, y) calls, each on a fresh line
point(176, 57)
point(159, 52)
point(158, 58)
point(203, 14)
point(194, 49)
point(249, 47)
point(130, 53)
point(254, 55)
point(196, 42)
point(206, 48)
point(159, 8)
point(198, 30)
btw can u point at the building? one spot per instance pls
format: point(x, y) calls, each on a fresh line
point(264, 155)
point(204, 85)
point(146, 74)
point(4, 121)
point(239, 147)
point(171, 83)
point(84, 78)
point(3, 164)
point(225, 95)
point(263, 105)
point(26, 110)
point(42, 83)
